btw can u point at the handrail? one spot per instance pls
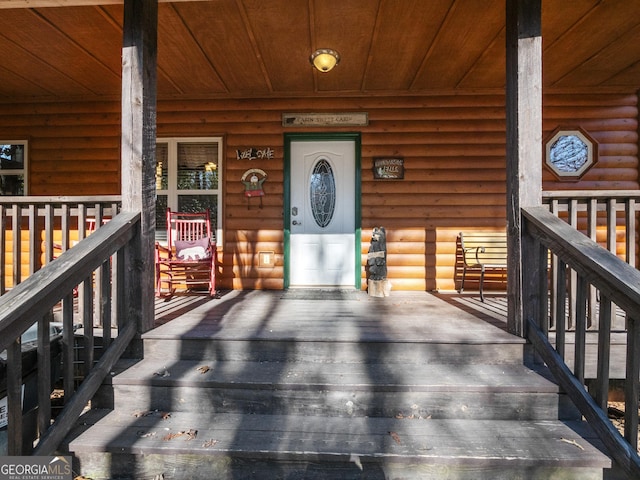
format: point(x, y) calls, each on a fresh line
point(40, 292)
point(619, 283)
point(43, 200)
point(548, 195)
point(35, 297)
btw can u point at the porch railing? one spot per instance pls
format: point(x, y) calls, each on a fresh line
point(66, 283)
point(34, 230)
point(609, 218)
point(616, 282)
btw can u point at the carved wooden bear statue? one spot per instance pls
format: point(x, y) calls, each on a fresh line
point(377, 257)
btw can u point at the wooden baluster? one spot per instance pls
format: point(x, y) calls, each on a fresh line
point(68, 344)
point(64, 226)
point(630, 234)
point(573, 276)
point(44, 373)
point(49, 213)
point(14, 397)
point(561, 308)
point(98, 319)
point(592, 225)
point(631, 384)
point(87, 324)
point(105, 304)
point(581, 328)
point(34, 248)
point(553, 321)
point(17, 240)
point(604, 353)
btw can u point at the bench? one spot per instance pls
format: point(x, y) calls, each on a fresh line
point(482, 251)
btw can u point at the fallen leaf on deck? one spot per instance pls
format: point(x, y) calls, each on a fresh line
point(165, 415)
point(190, 434)
point(203, 369)
point(143, 434)
point(209, 443)
point(171, 436)
point(143, 413)
point(163, 373)
point(396, 437)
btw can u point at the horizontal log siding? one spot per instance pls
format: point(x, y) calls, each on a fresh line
point(612, 121)
point(74, 148)
point(439, 137)
point(453, 146)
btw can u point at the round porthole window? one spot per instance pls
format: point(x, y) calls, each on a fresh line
point(570, 153)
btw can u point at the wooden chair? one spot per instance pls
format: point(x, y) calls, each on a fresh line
point(189, 258)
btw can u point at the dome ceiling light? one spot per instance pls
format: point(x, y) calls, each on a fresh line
point(324, 59)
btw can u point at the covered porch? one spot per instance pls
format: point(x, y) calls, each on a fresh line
point(471, 102)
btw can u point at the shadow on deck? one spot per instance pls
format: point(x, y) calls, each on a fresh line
point(416, 316)
point(334, 385)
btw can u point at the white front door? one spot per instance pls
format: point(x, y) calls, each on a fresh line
point(322, 216)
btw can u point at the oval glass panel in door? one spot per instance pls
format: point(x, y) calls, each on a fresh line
point(322, 193)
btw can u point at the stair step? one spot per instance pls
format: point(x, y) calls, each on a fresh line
point(261, 386)
point(398, 448)
point(338, 389)
point(512, 351)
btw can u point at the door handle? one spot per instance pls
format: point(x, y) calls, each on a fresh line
point(295, 222)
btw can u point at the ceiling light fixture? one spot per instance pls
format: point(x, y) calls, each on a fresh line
point(324, 59)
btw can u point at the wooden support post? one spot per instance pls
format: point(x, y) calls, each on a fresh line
point(524, 146)
point(139, 66)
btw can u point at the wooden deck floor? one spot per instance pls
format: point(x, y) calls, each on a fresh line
point(339, 316)
point(354, 316)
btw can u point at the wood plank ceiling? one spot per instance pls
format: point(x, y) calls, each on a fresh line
point(260, 48)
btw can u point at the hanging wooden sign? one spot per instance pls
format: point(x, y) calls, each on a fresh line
point(345, 119)
point(388, 168)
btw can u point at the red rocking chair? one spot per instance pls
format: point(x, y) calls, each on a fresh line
point(189, 258)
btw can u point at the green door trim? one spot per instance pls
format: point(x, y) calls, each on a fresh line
point(320, 137)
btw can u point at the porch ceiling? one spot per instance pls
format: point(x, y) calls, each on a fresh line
point(260, 48)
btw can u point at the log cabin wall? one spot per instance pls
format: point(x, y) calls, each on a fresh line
point(454, 156)
point(612, 121)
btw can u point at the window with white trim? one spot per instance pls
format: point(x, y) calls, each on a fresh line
point(13, 167)
point(188, 179)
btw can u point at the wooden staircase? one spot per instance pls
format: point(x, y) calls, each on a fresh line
point(271, 404)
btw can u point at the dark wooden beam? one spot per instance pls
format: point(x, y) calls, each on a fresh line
point(524, 147)
point(139, 72)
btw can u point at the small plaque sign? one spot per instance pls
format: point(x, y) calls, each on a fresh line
point(346, 119)
point(388, 168)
